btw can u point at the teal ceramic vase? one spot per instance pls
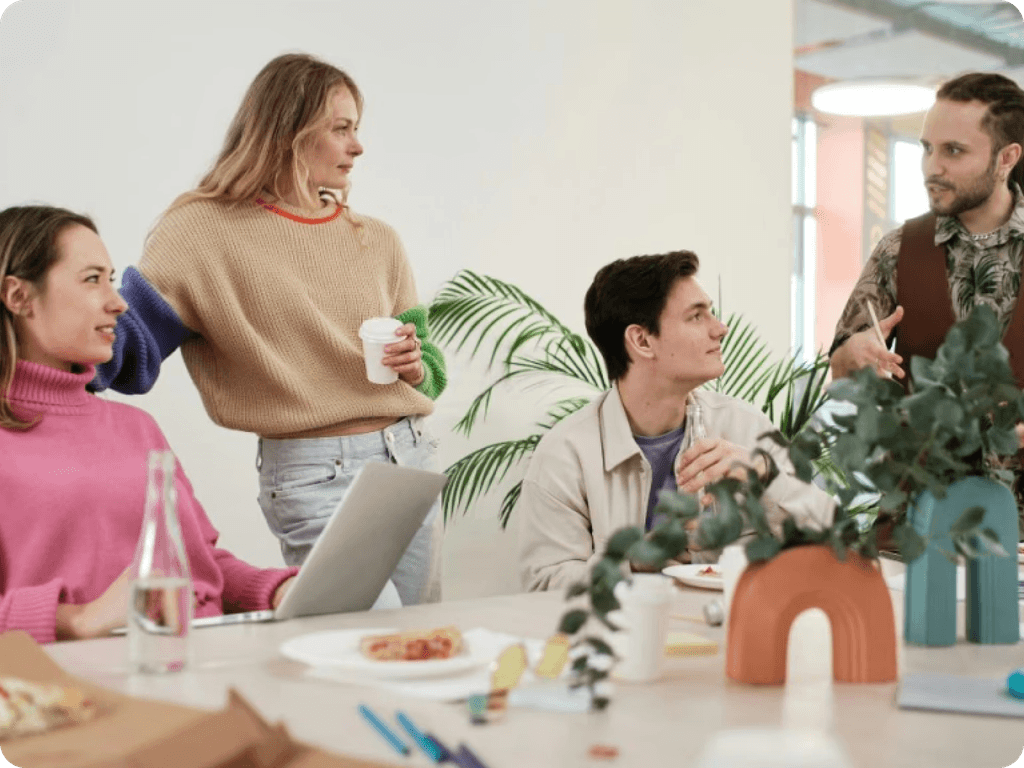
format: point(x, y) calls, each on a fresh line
point(992, 610)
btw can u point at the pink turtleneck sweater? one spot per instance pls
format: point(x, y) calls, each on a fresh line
point(72, 493)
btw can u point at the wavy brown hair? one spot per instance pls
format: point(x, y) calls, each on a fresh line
point(1003, 120)
point(287, 103)
point(28, 250)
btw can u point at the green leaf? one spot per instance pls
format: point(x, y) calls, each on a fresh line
point(575, 590)
point(910, 542)
point(990, 539)
point(605, 574)
point(599, 645)
point(710, 533)
point(670, 502)
point(573, 620)
point(964, 545)
point(622, 540)
point(647, 553)
point(762, 548)
point(968, 521)
point(671, 537)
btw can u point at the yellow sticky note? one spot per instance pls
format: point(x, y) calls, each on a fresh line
point(689, 644)
point(556, 654)
point(508, 668)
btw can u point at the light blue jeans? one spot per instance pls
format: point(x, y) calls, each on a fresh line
point(303, 480)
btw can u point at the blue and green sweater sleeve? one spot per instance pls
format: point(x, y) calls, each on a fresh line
point(146, 335)
point(150, 330)
point(435, 376)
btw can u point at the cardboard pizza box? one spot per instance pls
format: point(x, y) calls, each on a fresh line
point(137, 733)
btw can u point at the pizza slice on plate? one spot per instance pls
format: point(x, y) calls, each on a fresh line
point(442, 643)
point(27, 707)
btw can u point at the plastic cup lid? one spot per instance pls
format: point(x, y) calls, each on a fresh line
point(379, 328)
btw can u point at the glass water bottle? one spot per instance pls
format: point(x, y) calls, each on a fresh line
point(160, 601)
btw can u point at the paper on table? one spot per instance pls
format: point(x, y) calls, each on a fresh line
point(958, 693)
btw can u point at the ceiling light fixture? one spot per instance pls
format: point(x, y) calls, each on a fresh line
point(872, 98)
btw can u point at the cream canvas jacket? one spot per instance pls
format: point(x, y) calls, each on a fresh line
point(588, 478)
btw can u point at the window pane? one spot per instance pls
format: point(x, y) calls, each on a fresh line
point(806, 343)
point(909, 198)
point(810, 142)
point(795, 159)
point(796, 287)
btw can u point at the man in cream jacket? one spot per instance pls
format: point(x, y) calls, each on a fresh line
point(602, 468)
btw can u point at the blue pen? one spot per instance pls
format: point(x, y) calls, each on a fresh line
point(419, 737)
point(446, 754)
point(383, 730)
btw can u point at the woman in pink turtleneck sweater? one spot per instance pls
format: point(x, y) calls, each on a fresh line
point(72, 465)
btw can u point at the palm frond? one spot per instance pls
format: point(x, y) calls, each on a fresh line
point(580, 357)
point(477, 307)
point(746, 359)
point(508, 503)
point(809, 380)
point(478, 472)
point(547, 364)
point(561, 409)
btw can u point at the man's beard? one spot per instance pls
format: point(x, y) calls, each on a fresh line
point(974, 195)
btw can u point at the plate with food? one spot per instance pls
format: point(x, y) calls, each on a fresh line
point(1020, 552)
point(701, 575)
point(387, 654)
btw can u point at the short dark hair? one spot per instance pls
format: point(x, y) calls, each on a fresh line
point(1004, 118)
point(631, 291)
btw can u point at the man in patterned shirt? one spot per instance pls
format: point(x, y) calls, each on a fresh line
point(972, 139)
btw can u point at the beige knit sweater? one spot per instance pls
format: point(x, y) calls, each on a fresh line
point(277, 303)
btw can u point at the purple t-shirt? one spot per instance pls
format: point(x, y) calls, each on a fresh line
point(661, 453)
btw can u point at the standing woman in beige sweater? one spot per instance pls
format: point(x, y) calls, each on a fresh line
point(262, 275)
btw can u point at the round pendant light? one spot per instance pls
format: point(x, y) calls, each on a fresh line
point(872, 98)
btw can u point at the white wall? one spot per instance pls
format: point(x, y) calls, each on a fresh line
point(534, 141)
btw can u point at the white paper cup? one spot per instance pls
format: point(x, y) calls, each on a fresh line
point(376, 333)
point(640, 643)
point(731, 563)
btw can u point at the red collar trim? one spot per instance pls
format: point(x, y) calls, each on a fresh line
point(301, 219)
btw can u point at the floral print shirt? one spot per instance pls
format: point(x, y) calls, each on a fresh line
point(979, 271)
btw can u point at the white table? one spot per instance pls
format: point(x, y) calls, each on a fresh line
point(664, 723)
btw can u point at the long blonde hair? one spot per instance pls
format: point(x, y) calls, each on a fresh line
point(28, 250)
point(287, 103)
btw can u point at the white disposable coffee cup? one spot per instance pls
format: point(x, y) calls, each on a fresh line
point(643, 622)
point(731, 563)
point(376, 333)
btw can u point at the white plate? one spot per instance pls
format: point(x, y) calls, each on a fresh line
point(688, 574)
point(339, 650)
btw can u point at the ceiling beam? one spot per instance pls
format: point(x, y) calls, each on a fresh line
point(905, 18)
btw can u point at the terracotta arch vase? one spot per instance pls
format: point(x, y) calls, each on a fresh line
point(851, 592)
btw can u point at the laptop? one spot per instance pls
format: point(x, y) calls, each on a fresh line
point(364, 539)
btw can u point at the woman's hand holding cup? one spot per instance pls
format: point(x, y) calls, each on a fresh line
point(405, 357)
